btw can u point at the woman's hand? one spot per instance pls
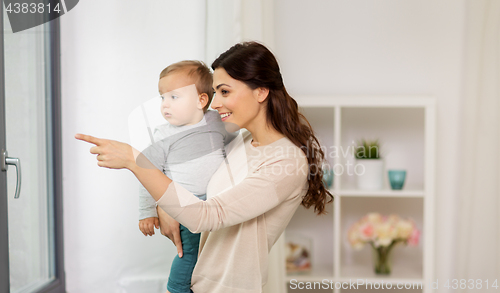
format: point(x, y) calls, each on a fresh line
point(170, 228)
point(110, 153)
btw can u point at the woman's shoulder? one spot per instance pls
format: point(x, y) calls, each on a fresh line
point(285, 153)
point(286, 164)
point(279, 149)
point(285, 147)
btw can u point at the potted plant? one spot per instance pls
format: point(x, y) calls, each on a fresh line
point(371, 175)
point(382, 233)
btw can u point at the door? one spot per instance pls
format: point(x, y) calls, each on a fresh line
point(30, 178)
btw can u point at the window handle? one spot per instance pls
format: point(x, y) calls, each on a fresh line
point(5, 161)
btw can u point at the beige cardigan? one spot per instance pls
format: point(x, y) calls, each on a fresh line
point(250, 200)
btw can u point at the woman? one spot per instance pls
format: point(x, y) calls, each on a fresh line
point(270, 170)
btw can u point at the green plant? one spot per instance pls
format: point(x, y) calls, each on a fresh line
point(367, 149)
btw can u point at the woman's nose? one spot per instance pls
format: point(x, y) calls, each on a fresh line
point(216, 102)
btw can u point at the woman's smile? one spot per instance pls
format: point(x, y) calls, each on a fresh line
point(225, 115)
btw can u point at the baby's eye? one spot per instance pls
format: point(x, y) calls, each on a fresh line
point(174, 97)
point(161, 97)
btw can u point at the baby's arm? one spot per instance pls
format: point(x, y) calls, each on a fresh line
point(147, 204)
point(148, 225)
point(148, 217)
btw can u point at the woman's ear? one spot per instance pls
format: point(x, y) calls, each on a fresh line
point(202, 101)
point(261, 94)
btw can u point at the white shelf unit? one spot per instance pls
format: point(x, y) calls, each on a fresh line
point(406, 128)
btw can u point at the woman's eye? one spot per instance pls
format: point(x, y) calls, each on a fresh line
point(224, 92)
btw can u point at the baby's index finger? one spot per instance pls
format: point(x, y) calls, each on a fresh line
point(88, 138)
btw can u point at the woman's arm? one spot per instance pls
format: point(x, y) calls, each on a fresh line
point(117, 155)
point(276, 181)
point(272, 183)
point(170, 229)
point(155, 182)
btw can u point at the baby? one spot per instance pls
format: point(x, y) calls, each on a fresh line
point(188, 149)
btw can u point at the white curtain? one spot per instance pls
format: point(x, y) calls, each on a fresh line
point(478, 223)
point(233, 21)
point(230, 22)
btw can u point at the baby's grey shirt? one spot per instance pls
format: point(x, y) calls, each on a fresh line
point(189, 155)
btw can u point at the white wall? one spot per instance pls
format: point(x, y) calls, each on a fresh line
point(112, 54)
point(384, 47)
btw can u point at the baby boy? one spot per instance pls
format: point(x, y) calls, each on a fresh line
point(188, 149)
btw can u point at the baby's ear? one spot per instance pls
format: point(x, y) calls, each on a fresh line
point(202, 101)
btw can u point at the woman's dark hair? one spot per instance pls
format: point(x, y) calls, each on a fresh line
point(253, 64)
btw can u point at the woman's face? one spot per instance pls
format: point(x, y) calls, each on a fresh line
point(234, 100)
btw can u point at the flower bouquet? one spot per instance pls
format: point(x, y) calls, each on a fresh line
point(382, 233)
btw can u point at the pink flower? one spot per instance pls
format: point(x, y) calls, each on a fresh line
point(367, 231)
point(381, 230)
point(414, 237)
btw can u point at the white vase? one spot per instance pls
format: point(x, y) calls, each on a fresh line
point(371, 177)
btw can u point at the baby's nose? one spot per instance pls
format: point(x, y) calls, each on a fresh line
point(165, 103)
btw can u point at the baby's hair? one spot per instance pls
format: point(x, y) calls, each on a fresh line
point(199, 72)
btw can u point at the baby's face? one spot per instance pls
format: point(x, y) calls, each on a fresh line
point(180, 100)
